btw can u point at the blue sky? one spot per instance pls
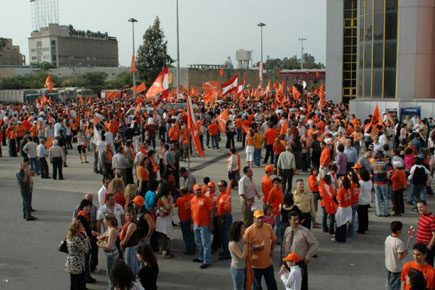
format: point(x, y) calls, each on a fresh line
point(210, 30)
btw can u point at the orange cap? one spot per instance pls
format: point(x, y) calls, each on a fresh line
point(258, 213)
point(293, 257)
point(357, 166)
point(269, 168)
point(211, 184)
point(196, 187)
point(139, 200)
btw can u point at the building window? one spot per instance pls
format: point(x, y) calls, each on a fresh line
point(350, 34)
point(377, 48)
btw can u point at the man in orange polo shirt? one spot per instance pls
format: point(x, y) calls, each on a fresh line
point(266, 182)
point(185, 216)
point(20, 131)
point(419, 253)
point(213, 131)
point(325, 158)
point(202, 215)
point(270, 136)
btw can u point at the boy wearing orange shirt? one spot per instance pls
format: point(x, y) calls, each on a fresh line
point(419, 253)
point(184, 214)
point(275, 199)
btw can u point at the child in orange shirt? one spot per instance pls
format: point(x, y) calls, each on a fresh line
point(313, 185)
point(398, 178)
point(275, 199)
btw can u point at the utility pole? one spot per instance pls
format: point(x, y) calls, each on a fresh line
point(302, 51)
point(132, 20)
point(178, 54)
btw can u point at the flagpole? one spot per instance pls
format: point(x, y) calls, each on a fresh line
point(178, 53)
point(132, 20)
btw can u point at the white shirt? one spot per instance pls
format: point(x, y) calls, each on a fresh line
point(109, 137)
point(364, 197)
point(118, 211)
point(393, 246)
point(101, 193)
point(293, 279)
point(57, 128)
point(41, 151)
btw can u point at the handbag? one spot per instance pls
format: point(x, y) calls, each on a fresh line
point(63, 247)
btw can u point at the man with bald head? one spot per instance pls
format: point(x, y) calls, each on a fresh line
point(93, 224)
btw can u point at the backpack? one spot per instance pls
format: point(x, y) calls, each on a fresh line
point(420, 176)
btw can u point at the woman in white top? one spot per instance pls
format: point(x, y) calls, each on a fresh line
point(107, 241)
point(364, 199)
point(239, 251)
point(81, 146)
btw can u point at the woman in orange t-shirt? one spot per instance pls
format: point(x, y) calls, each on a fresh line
point(142, 175)
point(250, 148)
point(344, 211)
point(354, 193)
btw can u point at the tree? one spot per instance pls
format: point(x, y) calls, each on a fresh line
point(277, 64)
point(45, 66)
point(3, 42)
point(123, 80)
point(152, 55)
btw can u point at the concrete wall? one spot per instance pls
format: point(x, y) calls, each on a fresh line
point(334, 50)
point(416, 75)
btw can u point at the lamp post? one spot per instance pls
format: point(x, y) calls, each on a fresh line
point(261, 25)
point(178, 54)
point(132, 20)
point(302, 51)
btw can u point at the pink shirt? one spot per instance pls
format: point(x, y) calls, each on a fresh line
point(408, 162)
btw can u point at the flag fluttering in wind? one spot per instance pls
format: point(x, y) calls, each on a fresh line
point(230, 85)
point(193, 127)
point(223, 119)
point(139, 88)
point(211, 91)
point(240, 88)
point(159, 90)
point(267, 89)
point(296, 93)
point(49, 84)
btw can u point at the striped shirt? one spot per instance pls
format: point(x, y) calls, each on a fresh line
point(426, 225)
point(379, 172)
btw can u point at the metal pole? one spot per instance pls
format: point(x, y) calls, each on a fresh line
point(134, 74)
point(261, 29)
point(302, 51)
point(178, 54)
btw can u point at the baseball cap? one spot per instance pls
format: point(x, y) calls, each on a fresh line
point(196, 187)
point(139, 200)
point(357, 166)
point(258, 213)
point(269, 168)
point(293, 257)
point(211, 184)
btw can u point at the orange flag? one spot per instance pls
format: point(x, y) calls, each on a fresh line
point(284, 127)
point(139, 88)
point(221, 72)
point(193, 127)
point(267, 89)
point(296, 93)
point(210, 86)
point(222, 120)
point(96, 120)
point(377, 119)
point(49, 142)
point(50, 119)
point(49, 84)
point(142, 150)
point(133, 64)
point(182, 89)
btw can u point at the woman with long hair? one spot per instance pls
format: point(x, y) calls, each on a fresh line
point(130, 193)
point(239, 251)
point(107, 242)
point(344, 211)
point(117, 187)
point(354, 192)
point(123, 278)
point(149, 269)
point(164, 218)
point(129, 237)
point(250, 147)
point(364, 199)
point(78, 246)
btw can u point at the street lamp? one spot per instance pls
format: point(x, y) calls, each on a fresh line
point(132, 20)
point(261, 25)
point(178, 54)
point(302, 51)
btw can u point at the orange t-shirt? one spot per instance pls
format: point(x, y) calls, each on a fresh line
point(238, 123)
point(325, 157)
point(249, 140)
point(201, 208)
point(266, 186)
point(312, 183)
point(427, 270)
point(399, 179)
point(142, 173)
point(354, 193)
point(223, 202)
point(213, 129)
point(26, 124)
point(258, 235)
point(20, 131)
point(270, 135)
point(277, 148)
point(183, 204)
point(34, 131)
point(344, 197)
point(275, 198)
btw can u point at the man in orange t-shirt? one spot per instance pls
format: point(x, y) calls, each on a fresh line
point(266, 182)
point(213, 131)
point(225, 217)
point(185, 216)
point(325, 157)
point(419, 253)
point(202, 215)
point(270, 136)
point(275, 199)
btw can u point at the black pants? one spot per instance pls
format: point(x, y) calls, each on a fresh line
point(286, 180)
point(315, 158)
point(57, 167)
point(230, 140)
point(305, 219)
point(234, 176)
point(269, 277)
point(340, 233)
point(44, 167)
point(216, 243)
point(398, 202)
point(26, 194)
point(94, 254)
point(430, 256)
point(129, 173)
point(304, 271)
point(78, 281)
point(269, 152)
point(363, 218)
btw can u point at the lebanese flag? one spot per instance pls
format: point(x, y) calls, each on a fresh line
point(260, 71)
point(240, 88)
point(193, 127)
point(159, 90)
point(230, 85)
point(49, 84)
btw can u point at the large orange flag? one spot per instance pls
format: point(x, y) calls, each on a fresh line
point(210, 86)
point(284, 128)
point(267, 89)
point(49, 142)
point(49, 84)
point(296, 93)
point(133, 64)
point(223, 119)
point(193, 127)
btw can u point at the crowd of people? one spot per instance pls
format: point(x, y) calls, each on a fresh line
point(138, 154)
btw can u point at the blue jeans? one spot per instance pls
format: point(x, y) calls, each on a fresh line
point(34, 165)
point(188, 238)
point(269, 277)
point(110, 260)
point(202, 241)
point(238, 278)
point(225, 232)
point(381, 196)
point(393, 280)
point(418, 193)
point(130, 259)
point(351, 229)
point(257, 157)
point(276, 229)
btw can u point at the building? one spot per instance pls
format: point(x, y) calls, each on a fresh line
point(10, 54)
point(65, 46)
point(381, 50)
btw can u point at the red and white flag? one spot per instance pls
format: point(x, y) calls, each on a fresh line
point(193, 127)
point(230, 85)
point(240, 88)
point(260, 71)
point(159, 90)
